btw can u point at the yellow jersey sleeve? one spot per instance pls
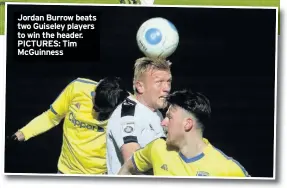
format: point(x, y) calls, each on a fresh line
point(235, 169)
point(40, 124)
point(51, 117)
point(61, 105)
point(141, 158)
point(144, 158)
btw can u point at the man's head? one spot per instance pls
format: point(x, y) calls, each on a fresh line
point(109, 93)
point(187, 115)
point(152, 81)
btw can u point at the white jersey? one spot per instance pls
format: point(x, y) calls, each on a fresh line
point(130, 122)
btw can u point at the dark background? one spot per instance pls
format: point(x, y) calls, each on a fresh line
point(227, 54)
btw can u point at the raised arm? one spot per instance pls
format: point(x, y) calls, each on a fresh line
point(49, 118)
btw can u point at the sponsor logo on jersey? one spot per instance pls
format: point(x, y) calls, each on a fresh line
point(81, 124)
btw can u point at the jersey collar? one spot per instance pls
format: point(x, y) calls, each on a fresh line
point(192, 159)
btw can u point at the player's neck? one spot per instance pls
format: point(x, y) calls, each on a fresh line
point(192, 147)
point(141, 99)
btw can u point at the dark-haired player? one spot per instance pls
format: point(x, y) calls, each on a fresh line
point(85, 106)
point(185, 152)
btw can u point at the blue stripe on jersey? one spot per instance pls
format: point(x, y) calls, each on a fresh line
point(192, 159)
point(52, 109)
point(93, 93)
point(85, 81)
point(236, 162)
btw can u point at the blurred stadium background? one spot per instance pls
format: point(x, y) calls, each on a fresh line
point(160, 2)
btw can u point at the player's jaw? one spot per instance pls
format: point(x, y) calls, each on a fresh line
point(171, 142)
point(168, 130)
point(161, 102)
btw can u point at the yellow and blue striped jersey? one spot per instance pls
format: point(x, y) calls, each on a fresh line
point(211, 162)
point(84, 137)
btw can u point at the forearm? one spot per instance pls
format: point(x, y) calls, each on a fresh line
point(128, 168)
point(40, 124)
point(127, 150)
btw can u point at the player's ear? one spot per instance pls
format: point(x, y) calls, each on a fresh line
point(139, 87)
point(188, 124)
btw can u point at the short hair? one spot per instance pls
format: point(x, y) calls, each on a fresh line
point(145, 63)
point(109, 93)
point(194, 103)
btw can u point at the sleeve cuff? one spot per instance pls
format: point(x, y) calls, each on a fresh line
point(26, 136)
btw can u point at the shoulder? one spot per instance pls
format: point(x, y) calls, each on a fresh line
point(83, 86)
point(158, 144)
point(126, 110)
point(233, 167)
point(161, 141)
point(123, 114)
point(236, 168)
point(85, 81)
point(128, 107)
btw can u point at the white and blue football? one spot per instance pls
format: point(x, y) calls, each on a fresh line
point(157, 38)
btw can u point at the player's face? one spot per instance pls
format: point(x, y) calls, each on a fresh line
point(173, 122)
point(157, 85)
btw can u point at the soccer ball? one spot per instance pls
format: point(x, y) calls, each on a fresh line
point(157, 38)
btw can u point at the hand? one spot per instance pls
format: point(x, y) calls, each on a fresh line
point(12, 141)
point(19, 136)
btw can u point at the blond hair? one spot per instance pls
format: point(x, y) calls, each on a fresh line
point(145, 64)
